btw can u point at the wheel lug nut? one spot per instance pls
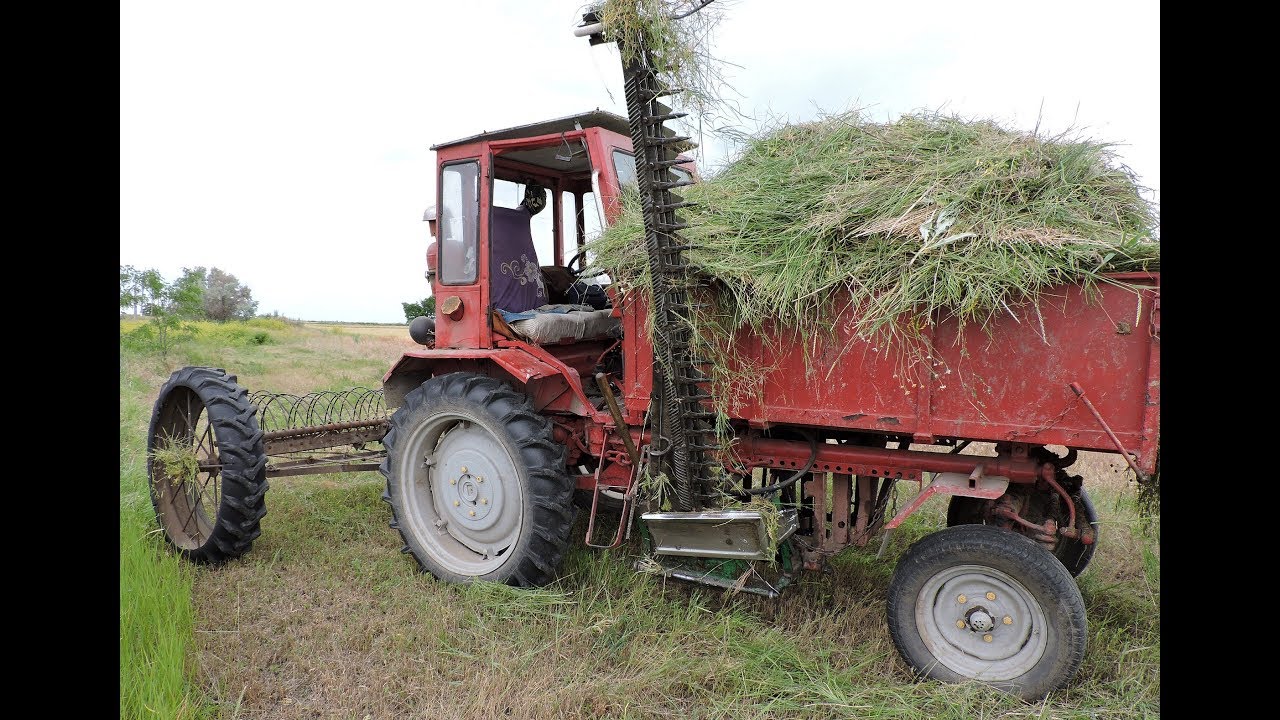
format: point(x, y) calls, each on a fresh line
point(960, 624)
point(479, 478)
point(1008, 620)
point(991, 596)
point(987, 637)
point(472, 513)
point(456, 503)
point(962, 599)
point(453, 481)
point(464, 469)
point(484, 501)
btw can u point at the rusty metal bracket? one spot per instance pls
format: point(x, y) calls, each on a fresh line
point(1079, 391)
point(988, 487)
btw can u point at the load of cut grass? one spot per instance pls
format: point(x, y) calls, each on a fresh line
point(905, 218)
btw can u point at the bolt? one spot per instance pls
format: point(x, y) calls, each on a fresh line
point(454, 481)
point(472, 513)
point(962, 599)
point(464, 469)
point(991, 596)
point(456, 503)
point(960, 624)
point(479, 478)
point(484, 501)
point(987, 637)
point(1008, 620)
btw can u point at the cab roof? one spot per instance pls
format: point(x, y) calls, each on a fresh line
point(591, 118)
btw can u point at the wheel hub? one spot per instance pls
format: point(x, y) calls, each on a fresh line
point(979, 621)
point(472, 498)
point(469, 483)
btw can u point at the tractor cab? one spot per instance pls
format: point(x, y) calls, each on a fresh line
point(513, 210)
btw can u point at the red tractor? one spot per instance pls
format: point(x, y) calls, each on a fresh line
point(539, 391)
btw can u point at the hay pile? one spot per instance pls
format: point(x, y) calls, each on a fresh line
point(929, 212)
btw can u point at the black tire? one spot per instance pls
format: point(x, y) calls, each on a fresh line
point(1027, 637)
point(203, 409)
point(1073, 554)
point(530, 490)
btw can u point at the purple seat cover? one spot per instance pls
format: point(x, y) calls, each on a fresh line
point(514, 275)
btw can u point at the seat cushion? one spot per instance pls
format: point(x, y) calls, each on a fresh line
point(563, 323)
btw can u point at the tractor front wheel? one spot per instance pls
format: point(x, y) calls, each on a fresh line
point(207, 465)
point(976, 602)
point(477, 486)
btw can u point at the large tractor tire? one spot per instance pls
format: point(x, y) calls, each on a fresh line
point(477, 486)
point(1073, 554)
point(207, 465)
point(976, 602)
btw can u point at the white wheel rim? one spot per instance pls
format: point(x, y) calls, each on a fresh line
point(461, 492)
point(981, 623)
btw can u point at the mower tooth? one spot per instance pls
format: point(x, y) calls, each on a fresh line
point(651, 119)
point(669, 185)
point(667, 140)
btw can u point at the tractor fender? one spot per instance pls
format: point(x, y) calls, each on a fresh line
point(549, 384)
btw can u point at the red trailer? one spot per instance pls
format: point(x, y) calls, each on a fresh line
point(509, 420)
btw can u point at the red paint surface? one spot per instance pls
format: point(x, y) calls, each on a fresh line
point(1010, 382)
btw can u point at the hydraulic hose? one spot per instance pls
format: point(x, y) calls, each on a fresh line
point(770, 489)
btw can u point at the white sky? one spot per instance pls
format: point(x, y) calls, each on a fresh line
point(286, 142)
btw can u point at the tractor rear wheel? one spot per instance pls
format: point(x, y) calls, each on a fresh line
point(477, 486)
point(1073, 554)
point(207, 465)
point(977, 602)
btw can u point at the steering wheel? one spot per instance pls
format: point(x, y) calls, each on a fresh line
point(581, 255)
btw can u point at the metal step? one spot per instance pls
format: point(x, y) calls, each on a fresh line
point(729, 534)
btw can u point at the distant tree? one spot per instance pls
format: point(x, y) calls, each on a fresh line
point(131, 292)
point(151, 291)
point(225, 298)
point(168, 305)
point(417, 309)
point(186, 296)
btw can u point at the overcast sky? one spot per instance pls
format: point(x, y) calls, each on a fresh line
point(286, 142)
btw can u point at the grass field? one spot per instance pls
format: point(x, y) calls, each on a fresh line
point(325, 618)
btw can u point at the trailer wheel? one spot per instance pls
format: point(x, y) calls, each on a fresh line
point(477, 487)
point(207, 465)
point(1073, 554)
point(976, 602)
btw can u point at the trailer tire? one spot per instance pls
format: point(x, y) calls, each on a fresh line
point(209, 516)
point(477, 486)
point(977, 602)
point(1073, 554)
